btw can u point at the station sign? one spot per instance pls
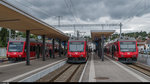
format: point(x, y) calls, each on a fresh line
point(39, 37)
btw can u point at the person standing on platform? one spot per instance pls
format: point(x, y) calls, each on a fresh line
point(113, 50)
point(50, 53)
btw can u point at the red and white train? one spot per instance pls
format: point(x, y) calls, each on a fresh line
point(77, 51)
point(123, 49)
point(16, 49)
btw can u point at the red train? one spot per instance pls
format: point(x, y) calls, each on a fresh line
point(123, 49)
point(16, 49)
point(77, 51)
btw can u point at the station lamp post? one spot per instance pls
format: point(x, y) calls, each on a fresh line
point(59, 48)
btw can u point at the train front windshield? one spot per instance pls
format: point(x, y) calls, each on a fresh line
point(128, 46)
point(15, 46)
point(76, 46)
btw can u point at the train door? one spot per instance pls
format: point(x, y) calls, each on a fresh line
point(38, 51)
point(47, 50)
point(113, 50)
point(32, 50)
point(87, 50)
point(116, 50)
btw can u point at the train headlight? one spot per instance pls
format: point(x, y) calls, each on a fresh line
point(19, 55)
point(122, 56)
point(81, 55)
point(8, 55)
point(70, 55)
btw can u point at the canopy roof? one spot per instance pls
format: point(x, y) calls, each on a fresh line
point(96, 34)
point(16, 19)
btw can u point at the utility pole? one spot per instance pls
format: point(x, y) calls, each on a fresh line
point(9, 34)
point(77, 34)
point(102, 27)
point(120, 29)
point(59, 20)
point(74, 29)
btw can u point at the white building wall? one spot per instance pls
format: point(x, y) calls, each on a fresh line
point(141, 47)
point(3, 51)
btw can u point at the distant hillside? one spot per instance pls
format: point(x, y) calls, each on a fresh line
point(141, 35)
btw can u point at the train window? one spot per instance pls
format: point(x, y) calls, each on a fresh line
point(15, 46)
point(33, 48)
point(30, 48)
point(128, 46)
point(76, 46)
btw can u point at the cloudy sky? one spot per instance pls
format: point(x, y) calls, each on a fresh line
point(134, 14)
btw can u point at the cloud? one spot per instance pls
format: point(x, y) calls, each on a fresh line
point(83, 9)
point(90, 12)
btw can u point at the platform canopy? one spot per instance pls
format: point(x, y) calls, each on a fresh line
point(96, 34)
point(16, 19)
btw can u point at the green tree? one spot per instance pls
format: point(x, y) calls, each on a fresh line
point(4, 37)
point(149, 35)
point(13, 33)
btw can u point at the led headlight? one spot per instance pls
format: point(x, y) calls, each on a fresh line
point(121, 55)
point(70, 55)
point(19, 55)
point(81, 55)
point(8, 55)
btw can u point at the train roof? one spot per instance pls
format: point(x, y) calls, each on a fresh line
point(31, 40)
point(121, 39)
point(22, 39)
point(75, 39)
point(126, 39)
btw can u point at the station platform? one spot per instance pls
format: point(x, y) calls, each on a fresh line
point(15, 72)
point(110, 70)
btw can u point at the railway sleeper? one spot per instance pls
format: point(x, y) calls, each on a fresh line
point(53, 75)
point(67, 74)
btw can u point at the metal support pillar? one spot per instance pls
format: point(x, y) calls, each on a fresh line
point(102, 46)
point(43, 37)
point(38, 51)
point(64, 48)
point(59, 48)
point(53, 48)
point(28, 47)
point(120, 29)
point(98, 48)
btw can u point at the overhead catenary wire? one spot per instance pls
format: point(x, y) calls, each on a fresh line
point(76, 14)
point(40, 11)
point(69, 6)
point(144, 7)
point(131, 10)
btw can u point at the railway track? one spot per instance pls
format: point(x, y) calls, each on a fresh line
point(140, 67)
point(67, 73)
point(143, 69)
